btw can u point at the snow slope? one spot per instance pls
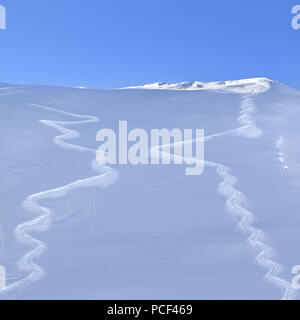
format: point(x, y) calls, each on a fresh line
point(72, 229)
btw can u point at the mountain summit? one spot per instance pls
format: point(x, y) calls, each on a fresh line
point(252, 85)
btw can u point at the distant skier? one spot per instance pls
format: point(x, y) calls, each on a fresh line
point(286, 168)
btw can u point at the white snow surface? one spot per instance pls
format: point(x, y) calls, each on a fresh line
point(71, 229)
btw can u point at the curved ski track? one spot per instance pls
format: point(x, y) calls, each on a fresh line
point(43, 222)
point(236, 199)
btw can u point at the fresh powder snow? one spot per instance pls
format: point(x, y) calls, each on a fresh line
point(73, 229)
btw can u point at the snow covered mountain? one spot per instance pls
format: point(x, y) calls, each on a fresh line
point(72, 229)
point(253, 85)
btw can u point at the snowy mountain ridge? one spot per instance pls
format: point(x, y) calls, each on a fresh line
point(242, 86)
point(252, 85)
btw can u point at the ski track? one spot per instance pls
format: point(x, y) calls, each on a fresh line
point(236, 199)
point(23, 232)
point(281, 156)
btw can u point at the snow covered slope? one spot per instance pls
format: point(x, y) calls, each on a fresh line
point(71, 229)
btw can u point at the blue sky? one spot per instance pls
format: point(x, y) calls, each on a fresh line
point(117, 43)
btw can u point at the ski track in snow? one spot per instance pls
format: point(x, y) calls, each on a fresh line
point(234, 204)
point(43, 222)
point(236, 199)
point(281, 155)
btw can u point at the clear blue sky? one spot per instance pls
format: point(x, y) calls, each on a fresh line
point(116, 43)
